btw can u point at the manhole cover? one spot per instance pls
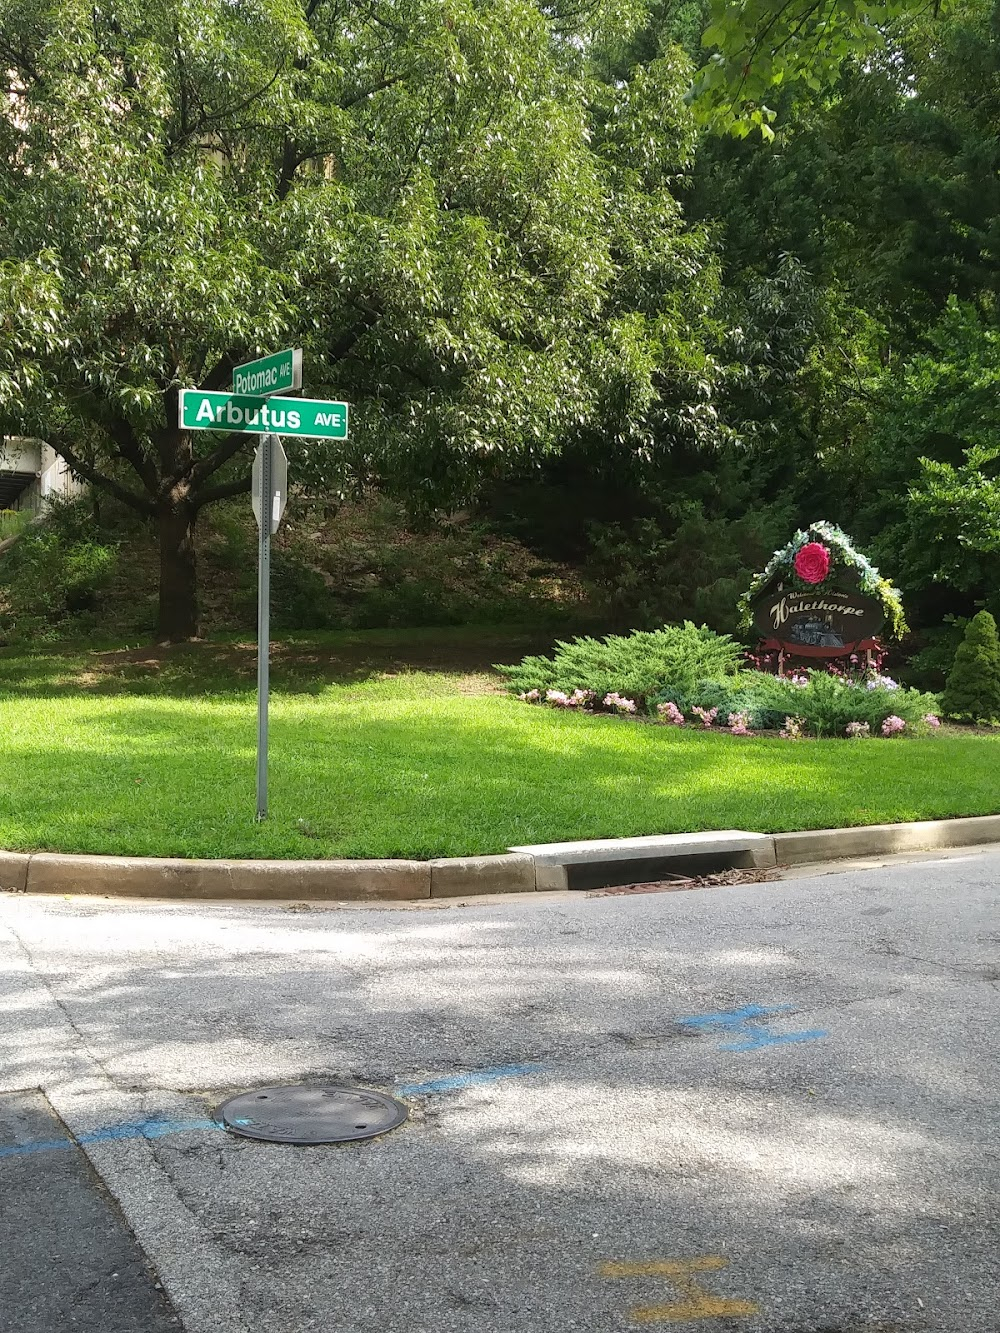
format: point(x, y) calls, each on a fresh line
point(311, 1113)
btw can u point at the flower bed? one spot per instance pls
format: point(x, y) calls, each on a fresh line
point(683, 675)
point(813, 703)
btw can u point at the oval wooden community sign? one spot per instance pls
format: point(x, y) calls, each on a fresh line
point(827, 621)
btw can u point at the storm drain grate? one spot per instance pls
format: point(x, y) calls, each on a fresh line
point(311, 1113)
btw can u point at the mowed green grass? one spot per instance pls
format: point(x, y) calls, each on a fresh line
point(377, 751)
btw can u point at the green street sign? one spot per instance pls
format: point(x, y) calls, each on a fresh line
point(311, 417)
point(271, 374)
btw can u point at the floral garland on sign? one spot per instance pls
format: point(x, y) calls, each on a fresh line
point(811, 557)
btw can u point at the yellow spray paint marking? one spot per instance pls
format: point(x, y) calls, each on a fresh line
point(697, 1303)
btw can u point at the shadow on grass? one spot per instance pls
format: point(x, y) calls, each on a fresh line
point(298, 665)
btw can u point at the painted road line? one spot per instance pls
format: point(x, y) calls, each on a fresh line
point(745, 1024)
point(697, 1303)
point(474, 1079)
point(133, 1129)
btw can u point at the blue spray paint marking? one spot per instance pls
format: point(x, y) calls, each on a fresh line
point(762, 1037)
point(158, 1129)
point(739, 1022)
point(474, 1079)
point(134, 1129)
point(734, 1018)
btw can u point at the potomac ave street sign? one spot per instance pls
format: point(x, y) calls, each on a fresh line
point(311, 417)
point(271, 374)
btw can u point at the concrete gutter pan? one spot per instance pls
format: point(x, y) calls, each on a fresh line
point(546, 867)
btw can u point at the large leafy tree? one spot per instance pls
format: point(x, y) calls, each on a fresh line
point(758, 48)
point(405, 187)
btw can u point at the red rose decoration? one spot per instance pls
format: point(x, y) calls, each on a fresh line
point(812, 563)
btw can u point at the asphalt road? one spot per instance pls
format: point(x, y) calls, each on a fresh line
point(771, 1108)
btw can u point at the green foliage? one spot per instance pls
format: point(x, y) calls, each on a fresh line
point(763, 698)
point(300, 598)
point(684, 562)
point(639, 666)
point(13, 522)
point(885, 187)
point(825, 702)
point(944, 410)
point(50, 583)
point(972, 692)
point(928, 667)
point(762, 46)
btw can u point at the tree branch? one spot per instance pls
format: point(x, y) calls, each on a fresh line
point(204, 468)
point(21, 62)
point(139, 503)
point(131, 451)
point(95, 406)
point(365, 93)
point(222, 492)
point(221, 376)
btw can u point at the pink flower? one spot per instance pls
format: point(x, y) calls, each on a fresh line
point(669, 712)
point(893, 725)
point(792, 730)
point(707, 715)
point(739, 724)
point(932, 719)
point(618, 703)
point(812, 563)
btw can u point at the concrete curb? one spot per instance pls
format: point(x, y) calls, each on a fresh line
point(881, 839)
point(148, 877)
point(519, 871)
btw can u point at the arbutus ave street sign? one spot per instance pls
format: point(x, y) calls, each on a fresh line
point(314, 418)
point(273, 503)
point(271, 374)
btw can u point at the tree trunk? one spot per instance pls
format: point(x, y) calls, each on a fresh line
point(178, 618)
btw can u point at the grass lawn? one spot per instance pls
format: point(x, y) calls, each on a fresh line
point(400, 744)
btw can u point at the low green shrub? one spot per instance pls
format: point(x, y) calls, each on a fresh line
point(825, 703)
point(13, 522)
point(763, 698)
point(50, 581)
point(643, 666)
point(725, 695)
point(300, 598)
point(928, 667)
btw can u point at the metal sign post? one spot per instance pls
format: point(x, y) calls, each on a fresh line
point(263, 619)
point(255, 407)
point(269, 494)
